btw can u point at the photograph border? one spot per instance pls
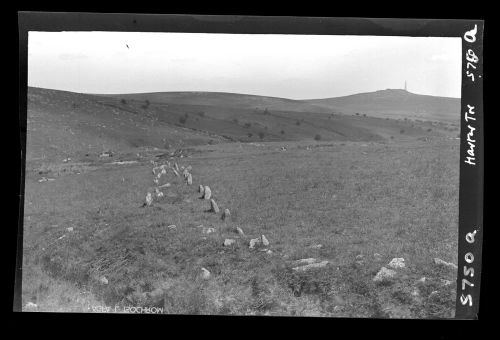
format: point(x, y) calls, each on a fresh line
point(471, 33)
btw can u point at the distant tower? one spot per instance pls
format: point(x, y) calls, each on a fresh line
point(405, 86)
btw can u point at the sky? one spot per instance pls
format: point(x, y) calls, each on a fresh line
point(287, 66)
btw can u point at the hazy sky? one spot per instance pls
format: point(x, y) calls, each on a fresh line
point(289, 66)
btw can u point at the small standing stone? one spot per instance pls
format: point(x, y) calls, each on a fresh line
point(149, 199)
point(265, 242)
point(201, 189)
point(226, 214)
point(207, 193)
point(189, 179)
point(205, 274)
point(214, 207)
point(240, 231)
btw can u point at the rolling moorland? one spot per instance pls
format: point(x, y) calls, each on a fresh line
point(338, 182)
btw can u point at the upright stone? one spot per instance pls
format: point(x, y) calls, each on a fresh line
point(189, 179)
point(214, 206)
point(207, 193)
point(149, 198)
point(265, 242)
point(226, 214)
point(201, 189)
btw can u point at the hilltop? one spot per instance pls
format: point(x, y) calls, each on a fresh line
point(395, 103)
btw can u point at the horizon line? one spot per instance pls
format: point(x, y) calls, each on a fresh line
point(240, 93)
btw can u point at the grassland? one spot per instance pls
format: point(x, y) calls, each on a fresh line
point(354, 203)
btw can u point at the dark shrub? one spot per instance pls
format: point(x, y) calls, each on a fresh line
point(183, 120)
point(282, 132)
point(297, 123)
point(248, 125)
point(261, 135)
point(317, 137)
point(123, 101)
point(402, 131)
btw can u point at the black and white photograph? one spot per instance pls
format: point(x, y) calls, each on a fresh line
point(202, 173)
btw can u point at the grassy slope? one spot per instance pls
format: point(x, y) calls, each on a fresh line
point(398, 201)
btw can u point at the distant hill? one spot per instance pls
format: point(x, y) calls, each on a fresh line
point(62, 123)
point(395, 103)
point(223, 99)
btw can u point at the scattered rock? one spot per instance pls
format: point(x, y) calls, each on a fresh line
point(189, 168)
point(189, 179)
point(226, 214)
point(156, 181)
point(176, 167)
point(103, 280)
point(207, 193)
point(397, 263)
point(269, 251)
point(377, 256)
point(317, 246)
point(228, 242)
point(311, 266)
point(359, 257)
point(185, 173)
point(445, 282)
point(213, 206)
point(166, 185)
point(201, 189)
point(176, 172)
point(158, 193)
point(422, 279)
point(254, 242)
point(384, 274)
point(208, 230)
point(69, 229)
point(205, 274)
point(239, 231)
point(30, 306)
point(305, 261)
point(265, 242)
point(440, 262)
point(149, 198)
point(172, 226)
